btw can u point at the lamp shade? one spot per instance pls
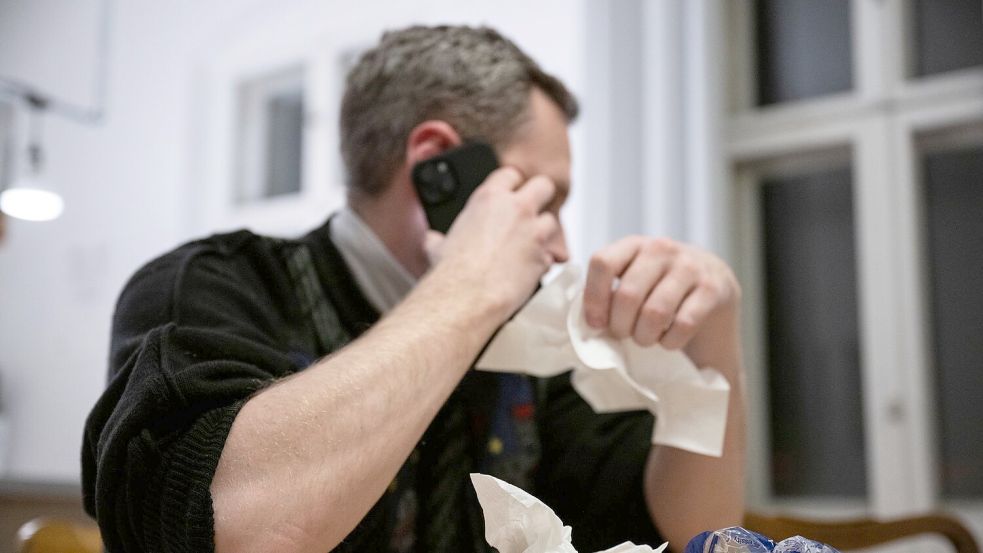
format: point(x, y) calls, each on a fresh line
point(30, 200)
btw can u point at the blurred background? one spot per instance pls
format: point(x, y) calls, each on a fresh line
point(831, 150)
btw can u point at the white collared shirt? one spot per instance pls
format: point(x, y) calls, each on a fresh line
point(383, 280)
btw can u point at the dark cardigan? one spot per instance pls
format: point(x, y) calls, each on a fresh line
point(202, 328)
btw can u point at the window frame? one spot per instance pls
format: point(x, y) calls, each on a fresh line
point(253, 124)
point(879, 122)
point(253, 54)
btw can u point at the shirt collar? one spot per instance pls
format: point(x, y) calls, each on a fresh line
point(383, 280)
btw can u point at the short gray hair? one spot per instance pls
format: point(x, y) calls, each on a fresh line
point(473, 78)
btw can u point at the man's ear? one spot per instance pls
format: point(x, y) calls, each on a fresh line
point(428, 139)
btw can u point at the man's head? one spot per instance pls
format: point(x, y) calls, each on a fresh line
point(477, 82)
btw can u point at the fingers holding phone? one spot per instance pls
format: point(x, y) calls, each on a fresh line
point(504, 238)
point(446, 181)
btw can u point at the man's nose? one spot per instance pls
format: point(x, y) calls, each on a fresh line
point(558, 247)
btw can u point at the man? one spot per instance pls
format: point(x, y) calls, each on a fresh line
point(257, 404)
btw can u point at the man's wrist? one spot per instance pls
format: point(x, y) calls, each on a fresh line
point(717, 345)
point(465, 303)
point(461, 286)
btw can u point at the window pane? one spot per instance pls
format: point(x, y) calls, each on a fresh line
point(803, 49)
point(284, 142)
point(271, 136)
point(948, 35)
point(954, 205)
point(817, 435)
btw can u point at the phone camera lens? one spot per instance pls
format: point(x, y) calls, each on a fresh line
point(432, 182)
point(436, 182)
point(447, 183)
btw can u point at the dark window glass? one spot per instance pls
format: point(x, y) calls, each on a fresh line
point(948, 35)
point(270, 136)
point(803, 49)
point(284, 143)
point(954, 219)
point(817, 434)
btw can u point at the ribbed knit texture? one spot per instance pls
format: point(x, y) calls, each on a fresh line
point(444, 470)
point(201, 329)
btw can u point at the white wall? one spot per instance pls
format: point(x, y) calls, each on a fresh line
point(131, 184)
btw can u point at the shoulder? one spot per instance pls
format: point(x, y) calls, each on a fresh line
point(161, 280)
point(202, 282)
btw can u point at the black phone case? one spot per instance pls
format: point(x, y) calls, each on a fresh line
point(445, 182)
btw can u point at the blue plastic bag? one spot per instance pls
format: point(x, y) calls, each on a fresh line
point(741, 540)
point(730, 540)
point(798, 544)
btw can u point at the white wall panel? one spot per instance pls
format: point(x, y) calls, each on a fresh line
point(132, 184)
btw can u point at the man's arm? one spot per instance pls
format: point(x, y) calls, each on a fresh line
point(660, 291)
point(307, 458)
point(689, 493)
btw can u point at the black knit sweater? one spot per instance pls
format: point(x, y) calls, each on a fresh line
point(202, 328)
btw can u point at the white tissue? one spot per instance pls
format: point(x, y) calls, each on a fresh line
point(549, 336)
point(517, 522)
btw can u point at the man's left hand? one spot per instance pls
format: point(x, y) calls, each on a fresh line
point(657, 290)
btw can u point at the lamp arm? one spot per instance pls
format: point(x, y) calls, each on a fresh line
point(89, 115)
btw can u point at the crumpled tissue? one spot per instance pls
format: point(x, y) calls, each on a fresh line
point(549, 336)
point(517, 522)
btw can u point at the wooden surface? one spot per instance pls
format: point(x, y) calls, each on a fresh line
point(20, 505)
point(59, 536)
point(860, 533)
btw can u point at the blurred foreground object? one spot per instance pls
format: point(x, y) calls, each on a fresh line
point(730, 540)
point(863, 533)
point(517, 522)
point(58, 536)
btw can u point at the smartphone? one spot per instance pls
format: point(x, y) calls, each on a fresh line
point(445, 182)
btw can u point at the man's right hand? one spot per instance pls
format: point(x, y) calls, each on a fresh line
point(503, 241)
point(322, 446)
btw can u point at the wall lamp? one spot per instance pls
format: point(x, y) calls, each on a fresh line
point(29, 196)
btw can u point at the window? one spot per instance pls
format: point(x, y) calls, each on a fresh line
point(861, 271)
point(803, 49)
point(948, 35)
point(953, 204)
point(271, 138)
point(812, 335)
point(269, 157)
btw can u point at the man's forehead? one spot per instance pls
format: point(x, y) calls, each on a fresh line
point(542, 146)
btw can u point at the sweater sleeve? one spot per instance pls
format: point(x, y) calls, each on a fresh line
point(192, 341)
point(592, 469)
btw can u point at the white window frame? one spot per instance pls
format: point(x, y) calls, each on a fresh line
point(880, 122)
point(253, 125)
point(265, 48)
